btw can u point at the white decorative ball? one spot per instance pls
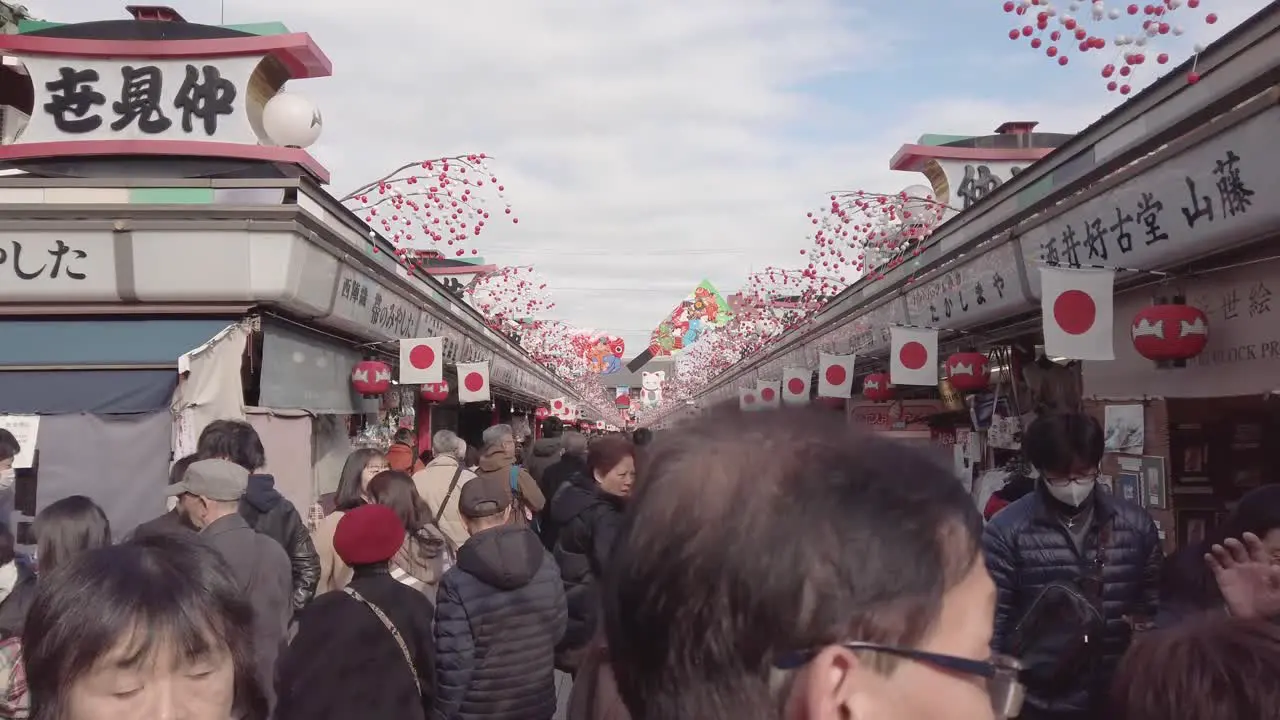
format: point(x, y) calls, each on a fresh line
point(292, 120)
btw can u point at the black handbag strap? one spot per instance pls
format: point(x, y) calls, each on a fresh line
point(453, 484)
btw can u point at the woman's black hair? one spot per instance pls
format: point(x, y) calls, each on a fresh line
point(233, 440)
point(396, 490)
point(151, 591)
point(68, 528)
point(179, 469)
point(7, 552)
point(350, 493)
point(9, 447)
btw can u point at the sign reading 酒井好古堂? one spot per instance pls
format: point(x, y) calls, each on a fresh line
point(100, 99)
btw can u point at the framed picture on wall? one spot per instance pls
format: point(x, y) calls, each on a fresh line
point(1128, 486)
point(1194, 526)
point(1154, 482)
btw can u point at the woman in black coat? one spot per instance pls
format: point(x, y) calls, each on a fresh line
point(366, 652)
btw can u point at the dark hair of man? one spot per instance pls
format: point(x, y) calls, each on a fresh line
point(642, 437)
point(1060, 442)
point(792, 532)
point(405, 436)
point(350, 482)
point(154, 591)
point(1212, 667)
point(233, 440)
point(397, 491)
point(67, 529)
point(604, 453)
point(552, 427)
point(9, 447)
point(179, 469)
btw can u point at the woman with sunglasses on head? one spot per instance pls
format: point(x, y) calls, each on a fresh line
point(1077, 570)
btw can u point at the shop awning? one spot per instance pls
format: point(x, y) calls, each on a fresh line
point(115, 342)
point(308, 371)
point(97, 392)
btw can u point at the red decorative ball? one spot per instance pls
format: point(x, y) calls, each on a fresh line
point(969, 371)
point(436, 392)
point(1169, 332)
point(371, 378)
point(877, 388)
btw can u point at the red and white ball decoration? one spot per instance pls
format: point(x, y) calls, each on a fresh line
point(1169, 332)
point(371, 378)
point(969, 371)
point(508, 297)
point(876, 387)
point(1134, 35)
point(436, 392)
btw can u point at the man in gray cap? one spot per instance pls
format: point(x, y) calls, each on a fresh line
point(209, 497)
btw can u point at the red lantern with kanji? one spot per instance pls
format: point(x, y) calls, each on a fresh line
point(877, 388)
point(541, 413)
point(371, 378)
point(436, 392)
point(969, 371)
point(1169, 332)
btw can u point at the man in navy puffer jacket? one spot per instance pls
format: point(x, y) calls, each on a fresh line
point(1055, 535)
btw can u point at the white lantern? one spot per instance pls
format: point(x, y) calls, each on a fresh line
point(920, 205)
point(292, 121)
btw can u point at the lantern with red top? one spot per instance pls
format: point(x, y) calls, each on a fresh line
point(1170, 332)
point(542, 413)
point(969, 371)
point(877, 388)
point(436, 392)
point(371, 378)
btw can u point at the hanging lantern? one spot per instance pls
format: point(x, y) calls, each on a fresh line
point(541, 413)
point(876, 387)
point(1169, 332)
point(371, 378)
point(969, 371)
point(436, 392)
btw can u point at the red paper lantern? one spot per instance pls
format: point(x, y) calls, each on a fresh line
point(371, 378)
point(436, 392)
point(969, 371)
point(1169, 332)
point(877, 388)
point(541, 413)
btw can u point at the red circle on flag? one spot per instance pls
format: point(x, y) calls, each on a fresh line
point(749, 399)
point(1075, 312)
point(422, 357)
point(474, 381)
point(836, 375)
point(766, 394)
point(559, 404)
point(913, 355)
point(795, 386)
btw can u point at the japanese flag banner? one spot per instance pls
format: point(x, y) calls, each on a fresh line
point(747, 400)
point(769, 393)
point(559, 407)
point(835, 375)
point(1077, 314)
point(421, 361)
point(473, 382)
point(913, 356)
point(795, 386)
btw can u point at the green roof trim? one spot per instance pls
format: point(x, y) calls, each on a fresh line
point(263, 28)
point(171, 196)
point(931, 139)
point(26, 26)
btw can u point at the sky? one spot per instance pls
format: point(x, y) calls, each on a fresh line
point(648, 145)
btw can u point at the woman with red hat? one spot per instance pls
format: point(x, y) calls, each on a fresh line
point(368, 651)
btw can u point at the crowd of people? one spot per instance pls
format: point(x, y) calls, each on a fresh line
point(750, 565)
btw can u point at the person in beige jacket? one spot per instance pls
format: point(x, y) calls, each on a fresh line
point(353, 491)
point(441, 481)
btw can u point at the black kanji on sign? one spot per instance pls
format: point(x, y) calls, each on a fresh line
point(140, 97)
point(979, 293)
point(977, 184)
point(1197, 209)
point(1236, 198)
point(1259, 299)
point(73, 99)
point(1049, 251)
point(933, 313)
point(964, 304)
point(1070, 246)
point(1124, 239)
point(1230, 304)
point(1149, 209)
point(1095, 238)
point(205, 94)
point(947, 305)
point(997, 282)
point(58, 253)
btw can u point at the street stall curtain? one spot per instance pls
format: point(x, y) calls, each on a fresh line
point(287, 439)
point(305, 371)
point(211, 388)
point(331, 443)
point(120, 461)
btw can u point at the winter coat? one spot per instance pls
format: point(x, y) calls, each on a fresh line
point(433, 485)
point(420, 561)
point(499, 614)
point(268, 512)
point(541, 455)
point(402, 458)
point(1018, 487)
point(499, 462)
point(168, 523)
point(571, 469)
point(1027, 548)
point(345, 664)
point(588, 519)
point(334, 573)
point(595, 691)
point(13, 610)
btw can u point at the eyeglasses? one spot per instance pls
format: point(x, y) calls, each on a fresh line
point(1065, 481)
point(1000, 672)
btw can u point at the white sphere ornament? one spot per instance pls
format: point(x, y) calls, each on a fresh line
point(292, 121)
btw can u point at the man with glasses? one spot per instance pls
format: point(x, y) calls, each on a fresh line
point(1077, 570)
point(781, 565)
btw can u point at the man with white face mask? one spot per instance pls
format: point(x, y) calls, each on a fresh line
point(1076, 568)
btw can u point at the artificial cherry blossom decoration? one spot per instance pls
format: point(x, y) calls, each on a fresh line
point(1136, 35)
point(509, 296)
